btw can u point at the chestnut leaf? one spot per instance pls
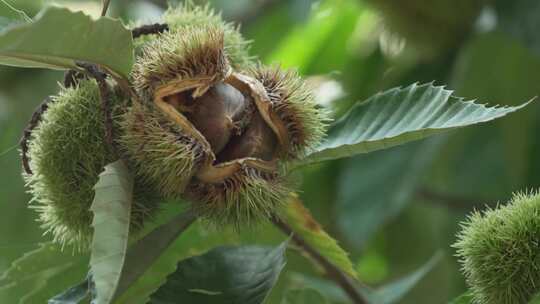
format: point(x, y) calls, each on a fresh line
point(58, 37)
point(243, 274)
point(304, 225)
point(75, 294)
point(389, 293)
point(401, 115)
point(146, 251)
point(112, 210)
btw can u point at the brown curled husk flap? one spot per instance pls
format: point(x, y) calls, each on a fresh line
point(236, 190)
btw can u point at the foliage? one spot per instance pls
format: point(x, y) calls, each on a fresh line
point(46, 270)
point(380, 209)
point(39, 44)
point(303, 224)
point(224, 275)
point(398, 116)
point(111, 222)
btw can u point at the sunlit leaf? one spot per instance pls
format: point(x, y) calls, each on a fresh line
point(329, 28)
point(58, 37)
point(401, 115)
point(224, 275)
point(302, 223)
point(112, 210)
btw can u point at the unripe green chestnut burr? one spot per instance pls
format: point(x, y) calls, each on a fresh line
point(67, 152)
point(499, 251)
point(209, 127)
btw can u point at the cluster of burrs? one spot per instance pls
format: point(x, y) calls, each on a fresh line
point(209, 126)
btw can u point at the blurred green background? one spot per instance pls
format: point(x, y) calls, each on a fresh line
point(391, 210)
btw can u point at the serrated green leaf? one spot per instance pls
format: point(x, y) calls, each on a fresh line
point(302, 223)
point(401, 115)
point(243, 274)
point(112, 211)
point(73, 295)
point(58, 37)
point(28, 278)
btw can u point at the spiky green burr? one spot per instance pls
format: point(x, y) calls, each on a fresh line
point(499, 251)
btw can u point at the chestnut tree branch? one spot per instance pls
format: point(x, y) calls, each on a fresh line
point(156, 28)
point(105, 94)
point(105, 7)
point(331, 270)
point(32, 124)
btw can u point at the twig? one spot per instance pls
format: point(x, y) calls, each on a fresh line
point(72, 78)
point(32, 124)
point(156, 28)
point(105, 7)
point(331, 270)
point(105, 94)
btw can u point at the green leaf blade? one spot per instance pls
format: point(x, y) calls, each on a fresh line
point(39, 274)
point(112, 211)
point(58, 37)
point(224, 275)
point(395, 291)
point(143, 254)
point(73, 295)
point(303, 224)
point(401, 115)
